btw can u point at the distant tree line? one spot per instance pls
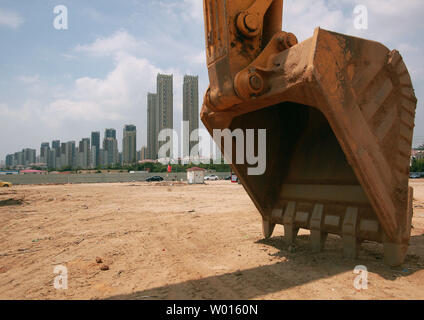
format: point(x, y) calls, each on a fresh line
point(156, 167)
point(417, 165)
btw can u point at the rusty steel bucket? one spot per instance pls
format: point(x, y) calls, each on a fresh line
point(339, 117)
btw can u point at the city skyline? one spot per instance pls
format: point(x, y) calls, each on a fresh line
point(68, 154)
point(97, 73)
point(93, 152)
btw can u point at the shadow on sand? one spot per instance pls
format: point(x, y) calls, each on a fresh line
point(296, 266)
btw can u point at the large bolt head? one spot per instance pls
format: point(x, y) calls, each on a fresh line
point(251, 22)
point(291, 40)
point(256, 82)
point(286, 41)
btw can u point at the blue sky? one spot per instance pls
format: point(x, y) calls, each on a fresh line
point(64, 84)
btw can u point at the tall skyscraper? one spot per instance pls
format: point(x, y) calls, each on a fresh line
point(143, 154)
point(83, 156)
point(52, 160)
point(62, 156)
point(152, 122)
point(129, 145)
point(18, 158)
point(165, 102)
point(110, 145)
point(44, 152)
point(95, 144)
point(56, 144)
point(68, 154)
point(110, 133)
point(9, 161)
point(56, 147)
point(29, 156)
point(191, 111)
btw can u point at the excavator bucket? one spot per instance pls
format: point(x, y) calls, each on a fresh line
point(339, 117)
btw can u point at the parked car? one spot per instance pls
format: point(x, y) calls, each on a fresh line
point(414, 175)
point(154, 178)
point(212, 177)
point(227, 178)
point(5, 184)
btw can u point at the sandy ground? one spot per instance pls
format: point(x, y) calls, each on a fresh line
point(179, 242)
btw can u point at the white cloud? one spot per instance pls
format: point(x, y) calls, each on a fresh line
point(29, 79)
point(413, 56)
point(194, 9)
point(27, 112)
point(302, 16)
point(10, 19)
point(120, 41)
point(196, 58)
point(119, 96)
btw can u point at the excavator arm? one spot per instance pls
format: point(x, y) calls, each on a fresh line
point(339, 117)
point(237, 32)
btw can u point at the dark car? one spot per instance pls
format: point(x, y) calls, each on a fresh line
point(227, 178)
point(154, 178)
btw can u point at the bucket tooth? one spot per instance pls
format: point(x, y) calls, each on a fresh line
point(290, 230)
point(351, 243)
point(290, 233)
point(351, 246)
point(394, 253)
point(267, 228)
point(318, 239)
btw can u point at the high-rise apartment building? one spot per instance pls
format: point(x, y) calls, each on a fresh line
point(51, 160)
point(62, 156)
point(56, 148)
point(152, 123)
point(67, 154)
point(56, 144)
point(110, 145)
point(165, 101)
point(9, 161)
point(103, 158)
point(143, 154)
point(29, 156)
point(129, 145)
point(191, 113)
point(95, 145)
point(70, 154)
point(18, 158)
point(110, 133)
point(44, 152)
point(83, 155)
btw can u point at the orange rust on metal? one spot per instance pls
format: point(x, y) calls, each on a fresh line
point(339, 113)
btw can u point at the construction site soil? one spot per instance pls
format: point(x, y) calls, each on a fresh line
point(179, 241)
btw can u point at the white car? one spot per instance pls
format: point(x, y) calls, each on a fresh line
point(211, 178)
